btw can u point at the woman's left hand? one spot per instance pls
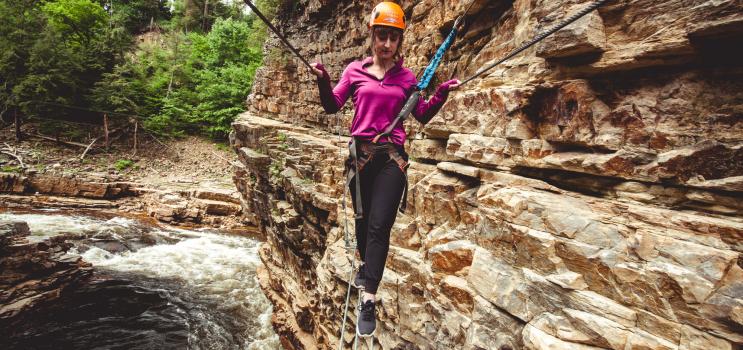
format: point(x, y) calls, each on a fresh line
point(450, 85)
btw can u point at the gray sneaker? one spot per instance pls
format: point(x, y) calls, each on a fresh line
point(367, 322)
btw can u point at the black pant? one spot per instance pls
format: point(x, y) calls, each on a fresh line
point(382, 185)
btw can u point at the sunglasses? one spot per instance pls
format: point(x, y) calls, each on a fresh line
point(383, 34)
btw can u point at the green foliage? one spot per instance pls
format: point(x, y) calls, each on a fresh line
point(221, 93)
point(136, 16)
point(275, 169)
point(11, 169)
point(22, 21)
point(54, 51)
point(305, 181)
point(229, 43)
point(174, 118)
point(190, 72)
point(123, 164)
point(53, 73)
point(189, 15)
point(210, 84)
point(121, 91)
point(222, 146)
point(281, 137)
point(79, 19)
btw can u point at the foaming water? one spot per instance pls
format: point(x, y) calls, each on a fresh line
point(46, 225)
point(214, 269)
point(163, 288)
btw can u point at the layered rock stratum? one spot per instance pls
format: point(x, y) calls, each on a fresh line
point(34, 272)
point(583, 195)
point(202, 203)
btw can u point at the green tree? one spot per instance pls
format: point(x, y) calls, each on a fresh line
point(231, 59)
point(121, 91)
point(221, 94)
point(191, 75)
point(136, 16)
point(228, 43)
point(22, 21)
point(66, 58)
point(200, 15)
point(79, 19)
point(221, 67)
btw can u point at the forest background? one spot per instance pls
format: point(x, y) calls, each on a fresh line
point(177, 66)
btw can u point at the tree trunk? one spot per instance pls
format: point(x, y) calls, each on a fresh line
point(136, 124)
point(17, 121)
point(105, 129)
point(206, 4)
point(186, 12)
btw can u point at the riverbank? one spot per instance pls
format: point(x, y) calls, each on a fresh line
point(100, 246)
point(184, 181)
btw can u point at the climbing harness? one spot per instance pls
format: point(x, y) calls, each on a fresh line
point(276, 31)
point(361, 153)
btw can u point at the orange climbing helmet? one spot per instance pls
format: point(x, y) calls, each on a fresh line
point(388, 14)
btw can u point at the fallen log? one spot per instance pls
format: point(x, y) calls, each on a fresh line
point(68, 143)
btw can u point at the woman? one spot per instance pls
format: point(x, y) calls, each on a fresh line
point(378, 86)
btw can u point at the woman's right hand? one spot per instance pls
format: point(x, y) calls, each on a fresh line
point(318, 69)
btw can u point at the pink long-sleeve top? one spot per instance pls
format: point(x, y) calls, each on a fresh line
point(377, 101)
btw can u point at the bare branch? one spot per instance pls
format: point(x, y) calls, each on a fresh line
point(13, 152)
point(88, 148)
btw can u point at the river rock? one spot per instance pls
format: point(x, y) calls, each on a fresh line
point(34, 272)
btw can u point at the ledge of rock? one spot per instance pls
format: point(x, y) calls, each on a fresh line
point(33, 272)
point(203, 204)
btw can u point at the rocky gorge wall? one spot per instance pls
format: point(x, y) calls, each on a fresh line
point(584, 195)
point(33, 272)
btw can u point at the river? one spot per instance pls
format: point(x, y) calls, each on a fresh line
point(153, 287)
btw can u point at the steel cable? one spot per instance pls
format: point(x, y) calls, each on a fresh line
point(538, 38)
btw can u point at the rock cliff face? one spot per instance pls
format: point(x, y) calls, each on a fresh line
point(33, 272)
point(584, 195)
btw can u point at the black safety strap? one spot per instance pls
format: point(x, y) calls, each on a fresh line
point(276, 31)
point(355, 171)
